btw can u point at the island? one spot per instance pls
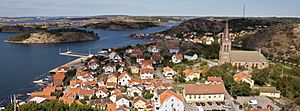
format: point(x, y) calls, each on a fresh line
point(54, 36)
point(121, 25)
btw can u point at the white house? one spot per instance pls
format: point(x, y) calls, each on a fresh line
point(177, 58)
point(146, 73)
point(243, 77)
point(135, 90)
point(168, 101)
point(190, 57)
point(109, 69)
point(115, 57)
point(122, 100)
point(204, 93)
point(153, 49)
point(102, 93)
point(169, 72)
point(269, 92)
point(191, 74)
point(140, 103)
point(139, 58)
point(93, 64)
point(124, 79)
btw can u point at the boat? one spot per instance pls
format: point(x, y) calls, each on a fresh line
point(63, 53)
point(39, 82)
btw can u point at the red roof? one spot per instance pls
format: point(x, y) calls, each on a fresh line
point(204, 89)
point(59, 76)
point(241, 75)
point(147, 70)
point(86, 92)
point(167, 94)
point(214, 79)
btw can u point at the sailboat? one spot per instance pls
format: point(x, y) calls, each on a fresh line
point(63, 53)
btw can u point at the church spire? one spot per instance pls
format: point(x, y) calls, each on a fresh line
point(226, 32)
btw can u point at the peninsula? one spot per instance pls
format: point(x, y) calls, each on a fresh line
point(121, 25)
point(54, 36)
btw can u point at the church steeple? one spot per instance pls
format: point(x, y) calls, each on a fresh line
point(226, 40)
point(225, 47)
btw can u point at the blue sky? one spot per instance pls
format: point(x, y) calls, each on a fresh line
point(261, 8)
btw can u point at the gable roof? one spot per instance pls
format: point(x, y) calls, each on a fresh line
point(137, 98)
point(59, 75)
point(247, 56)
point(167, 69)
point(122, 96)
point(214, 79)
point(241, 75)
point(268, 90)
point(111, 107)
point(156, 57)
point(188, 72)
point(167, 94)
point(178, 56)
point(86, 92)
point(124, 74)
point(146, 70)
point(204, 89)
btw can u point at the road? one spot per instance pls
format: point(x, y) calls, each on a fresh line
point(210, 63)
point(159, 74)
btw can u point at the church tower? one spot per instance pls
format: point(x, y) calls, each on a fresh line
point(225, 47)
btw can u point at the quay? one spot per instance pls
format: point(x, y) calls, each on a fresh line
point(75, 63)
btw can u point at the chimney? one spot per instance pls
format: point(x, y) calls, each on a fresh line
point(259, 51)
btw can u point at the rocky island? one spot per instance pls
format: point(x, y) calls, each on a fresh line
point(121, 25)
point(54, 36)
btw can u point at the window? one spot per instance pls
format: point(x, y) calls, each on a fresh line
point(214, 96)
point(209, 97)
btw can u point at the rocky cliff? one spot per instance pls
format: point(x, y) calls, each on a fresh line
point(54, 36)
point(279, 41)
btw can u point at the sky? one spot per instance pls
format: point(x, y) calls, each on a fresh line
point(254, 8)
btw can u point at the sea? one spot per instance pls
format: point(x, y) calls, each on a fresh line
point(20, 64)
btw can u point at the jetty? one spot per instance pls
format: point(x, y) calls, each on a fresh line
point(75, 63)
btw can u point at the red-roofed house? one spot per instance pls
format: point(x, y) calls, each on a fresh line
point(243, 77)
point(214, 80)
point(123, 79)
point(169, 72)
point(204, 92)
point(191, 74)
point(177, 58)
point(169, 100)
point(146, 73)
point(58, 78)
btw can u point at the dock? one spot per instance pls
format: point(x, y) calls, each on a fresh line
point(75, 63)
point(74, 54)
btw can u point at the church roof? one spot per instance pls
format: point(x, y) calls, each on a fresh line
point(247, 56)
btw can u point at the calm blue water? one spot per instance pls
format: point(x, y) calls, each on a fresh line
point(21, 63)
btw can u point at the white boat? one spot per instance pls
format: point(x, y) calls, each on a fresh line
point(38, 81)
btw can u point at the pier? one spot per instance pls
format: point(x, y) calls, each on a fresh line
point(74, 54)
point(75, 63)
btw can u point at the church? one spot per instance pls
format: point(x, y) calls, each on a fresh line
point(239, 58)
